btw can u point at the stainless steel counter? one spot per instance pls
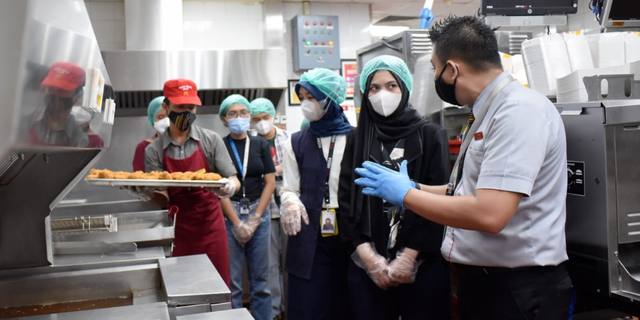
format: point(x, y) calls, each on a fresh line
point(192, 280)
point(235, 314)
point(151, 255)
point(152, 311)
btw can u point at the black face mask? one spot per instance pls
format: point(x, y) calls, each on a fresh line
point(447, 92)
point(182, 120)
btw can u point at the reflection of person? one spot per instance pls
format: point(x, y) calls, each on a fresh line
point(157, 117)
point(248, 219)
point(505, 206)
point(316, 263)
point(83, 120)
point(388, 242)
point(328, 226)
point(183, 147)
point(263, 112)
point(63, 88)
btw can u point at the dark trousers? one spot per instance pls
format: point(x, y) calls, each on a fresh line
point(537, 293)
point(324, 296)
point(428, 298)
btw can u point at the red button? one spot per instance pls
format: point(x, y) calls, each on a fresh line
point(307, 23)
point(322, 23)
point(323, 43)
point(330, 51)
point(315, 43)
point(315, 23)
point(330, 23)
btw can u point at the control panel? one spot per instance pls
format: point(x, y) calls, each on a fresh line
point(316, 42)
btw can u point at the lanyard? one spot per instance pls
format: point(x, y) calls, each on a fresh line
point(327, 195)
point(241, 166)
point(454, 180)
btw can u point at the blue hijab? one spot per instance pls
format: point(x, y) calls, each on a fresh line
point(334, 121)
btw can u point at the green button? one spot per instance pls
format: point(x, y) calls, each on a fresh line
point(329, 32)
point(307, 31)
point(322, 32)
point(316, 52)
point(308, 43)
point(322, 51)
point(315, 32)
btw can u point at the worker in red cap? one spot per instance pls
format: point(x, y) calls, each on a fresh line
point(200, 226)
point(63, 88)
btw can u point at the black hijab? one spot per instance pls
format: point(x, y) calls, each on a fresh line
point(404, 121)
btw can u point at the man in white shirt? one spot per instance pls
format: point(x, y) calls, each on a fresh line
point(505, 203)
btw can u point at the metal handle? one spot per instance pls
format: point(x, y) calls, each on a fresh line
point(392, 47)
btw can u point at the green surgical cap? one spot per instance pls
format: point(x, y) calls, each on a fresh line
point(262, 105)
point(390, 63)
point(231, 100)
point(154, 106)
point(328, 82)
point(305, 123)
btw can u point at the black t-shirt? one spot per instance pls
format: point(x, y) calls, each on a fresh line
point(260, 163)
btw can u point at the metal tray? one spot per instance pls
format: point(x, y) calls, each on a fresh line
point(156, 183)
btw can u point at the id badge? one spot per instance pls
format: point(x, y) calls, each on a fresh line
point(244, 206)
point(328, 223)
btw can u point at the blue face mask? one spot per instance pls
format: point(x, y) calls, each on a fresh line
point(239, 125)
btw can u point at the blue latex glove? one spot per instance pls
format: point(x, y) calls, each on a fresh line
point(426, 18)
point(385, 183)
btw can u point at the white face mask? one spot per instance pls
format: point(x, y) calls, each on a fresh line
point(264, 126)
point(385, 103)
point(162, 125)
point(313, 110)
point(80, 115)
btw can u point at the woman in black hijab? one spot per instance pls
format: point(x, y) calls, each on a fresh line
point(396, 268)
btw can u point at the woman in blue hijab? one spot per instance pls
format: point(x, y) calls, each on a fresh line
point(316, 263)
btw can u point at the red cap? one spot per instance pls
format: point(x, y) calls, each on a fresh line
point(181, 91)
point(65, 75)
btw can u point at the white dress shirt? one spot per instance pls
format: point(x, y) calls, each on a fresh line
point(522, 149)
point(291, 173)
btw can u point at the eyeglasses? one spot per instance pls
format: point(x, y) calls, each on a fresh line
point(234, 114)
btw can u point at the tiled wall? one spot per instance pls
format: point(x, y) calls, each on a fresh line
point(354, 19)
point(583, 20)
point(107, 18)
point(222, 25)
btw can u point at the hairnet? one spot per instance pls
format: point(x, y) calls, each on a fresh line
point(262, 105)
point(390, 63)
point(231, 100)
point(327, 82)
point(154, 106)
point(304, 124)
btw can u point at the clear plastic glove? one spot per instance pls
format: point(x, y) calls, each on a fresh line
point(404, 268)
point(142, 193)
point(385, 183)
point(242, 232)
point(291, 213)
point(376, 266)
point(227, 191)
point(254, 221)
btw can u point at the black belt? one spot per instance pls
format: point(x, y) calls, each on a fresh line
point(468, 271)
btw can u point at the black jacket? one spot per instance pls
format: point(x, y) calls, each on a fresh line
point(427, 155)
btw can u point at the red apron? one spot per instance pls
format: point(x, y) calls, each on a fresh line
point(200, 225)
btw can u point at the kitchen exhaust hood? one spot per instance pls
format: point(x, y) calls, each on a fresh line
point(155, 54)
